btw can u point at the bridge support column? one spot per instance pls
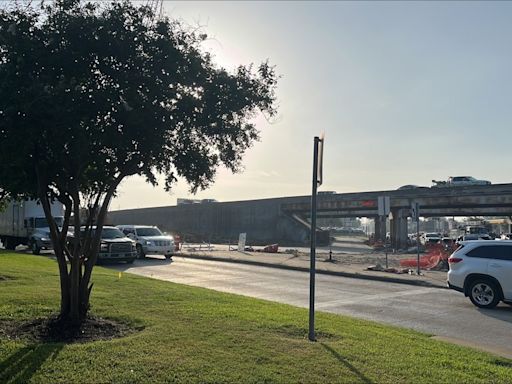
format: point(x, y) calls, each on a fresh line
point(380, 228)
point(399, 231)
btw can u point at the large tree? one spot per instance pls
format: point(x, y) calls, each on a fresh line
point(91, 93)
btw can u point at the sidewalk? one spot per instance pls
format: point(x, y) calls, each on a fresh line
point(301, 262)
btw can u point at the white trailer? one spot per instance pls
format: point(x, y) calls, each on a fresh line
point(24, 223)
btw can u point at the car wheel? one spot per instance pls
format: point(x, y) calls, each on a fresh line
point(140, 252)
point(10, 244)
point(484, 293)
point(36, 250)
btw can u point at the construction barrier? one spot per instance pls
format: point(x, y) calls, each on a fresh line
point(436, 258)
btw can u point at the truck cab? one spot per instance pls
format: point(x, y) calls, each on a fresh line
point(23, 223)
point(38, 233)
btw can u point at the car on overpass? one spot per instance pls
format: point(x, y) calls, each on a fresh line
point(409, 187)
point(459, 181)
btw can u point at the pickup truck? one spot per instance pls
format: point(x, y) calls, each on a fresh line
point(114, 246)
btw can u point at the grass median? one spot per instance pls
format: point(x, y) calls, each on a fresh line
point(195, 335)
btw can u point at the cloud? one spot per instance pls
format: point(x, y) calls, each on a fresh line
point(267, 174)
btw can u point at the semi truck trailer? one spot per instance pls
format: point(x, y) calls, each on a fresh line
point(24, 223)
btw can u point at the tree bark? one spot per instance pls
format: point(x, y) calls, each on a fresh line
point(76, 269)
point(58, 250)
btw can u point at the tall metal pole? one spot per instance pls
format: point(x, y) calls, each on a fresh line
point(418, 237)
point(313, 243)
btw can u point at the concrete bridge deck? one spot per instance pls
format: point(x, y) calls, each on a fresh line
point(286, 220)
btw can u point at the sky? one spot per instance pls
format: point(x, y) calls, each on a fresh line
point(406, 92)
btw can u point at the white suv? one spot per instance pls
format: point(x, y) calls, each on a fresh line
point(430, 238)
point(482, 270)
point(150, 240)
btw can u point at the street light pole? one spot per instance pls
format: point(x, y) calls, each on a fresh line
point(313, 242)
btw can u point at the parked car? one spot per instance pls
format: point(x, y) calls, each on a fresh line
point(481, 270)
point(430, 237)
point(475, 236)
point(456, 181)
point(114, 246)
point(447, 242)
point(149, 240)
point(506, 236)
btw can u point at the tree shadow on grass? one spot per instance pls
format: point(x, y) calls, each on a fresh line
point(23, 363)
point(344, 361)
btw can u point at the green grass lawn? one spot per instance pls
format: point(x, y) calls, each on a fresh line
point(195, 335)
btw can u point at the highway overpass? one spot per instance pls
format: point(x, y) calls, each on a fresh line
point(286, 220)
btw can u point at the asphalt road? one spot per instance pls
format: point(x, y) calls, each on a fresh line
point(443, 313)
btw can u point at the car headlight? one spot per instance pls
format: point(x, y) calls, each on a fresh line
point(45, 239)
point(147, 242)
point(103, 247)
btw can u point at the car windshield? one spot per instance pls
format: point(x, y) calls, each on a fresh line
point(112, 233)
point(41, 222)
point(148, 231)
point(109, 233)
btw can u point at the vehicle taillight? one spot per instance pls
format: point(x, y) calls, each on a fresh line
point(454, 260)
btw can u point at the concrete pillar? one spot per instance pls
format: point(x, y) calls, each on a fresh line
point(380, 229)
point(399, 230)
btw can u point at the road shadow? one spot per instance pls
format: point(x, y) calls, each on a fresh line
point(344, 361)
point(502, 312)
point(140, 263)
point(24, 363)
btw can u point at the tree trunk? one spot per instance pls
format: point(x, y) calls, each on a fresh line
point(58, 250)
point(75, 284)
point(76, 315)
point(92, 248)
point(64, 293)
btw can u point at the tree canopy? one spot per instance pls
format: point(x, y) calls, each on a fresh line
point(93, 92)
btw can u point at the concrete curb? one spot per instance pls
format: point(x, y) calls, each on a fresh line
point(387, 279)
